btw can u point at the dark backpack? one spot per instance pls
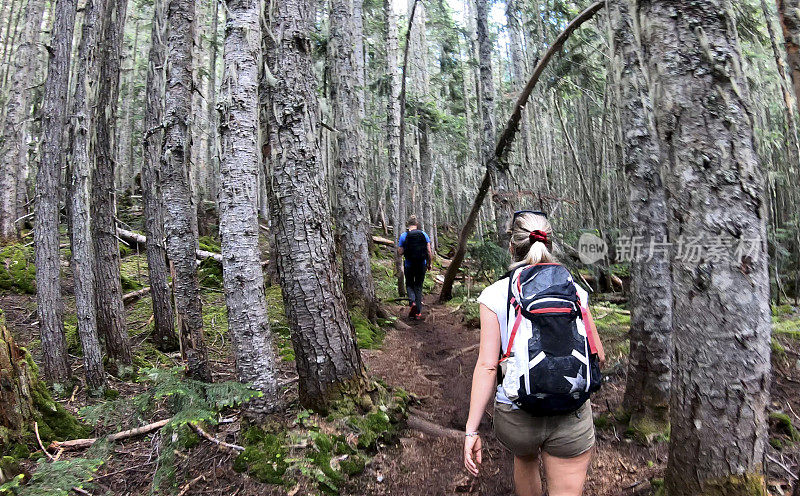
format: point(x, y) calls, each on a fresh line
point(550, 366)
point(415, 247)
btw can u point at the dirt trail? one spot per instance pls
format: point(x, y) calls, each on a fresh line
point(430, 361)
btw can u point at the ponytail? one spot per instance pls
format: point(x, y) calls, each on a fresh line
point(530, 240)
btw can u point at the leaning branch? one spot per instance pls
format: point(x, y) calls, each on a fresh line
point(504, 144)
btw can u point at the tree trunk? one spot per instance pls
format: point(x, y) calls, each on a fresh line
point(15, 128)
point(352, 219)
point(82, 249)
point(238, 221)
point(649, 372)
point(789, 14)
point(393, 137)
point(211, 105)
point(164, 335)
point(17, 381)
point(721, 314)
point(501, 198)
point(108, 286)
point(328, 361)
point(45, 232)
point(179, 224)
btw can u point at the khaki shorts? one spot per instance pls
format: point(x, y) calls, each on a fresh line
point(563, 436)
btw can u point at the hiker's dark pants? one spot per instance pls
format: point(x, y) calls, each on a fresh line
point(415, 276)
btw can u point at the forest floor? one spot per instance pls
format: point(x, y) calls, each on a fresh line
point(432, 359)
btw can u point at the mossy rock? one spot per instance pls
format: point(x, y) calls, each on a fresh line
point(17, 270)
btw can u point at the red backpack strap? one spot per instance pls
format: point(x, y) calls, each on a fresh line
point(591, 329)
point(514, 329)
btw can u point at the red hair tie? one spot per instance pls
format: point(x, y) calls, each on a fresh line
point(538, 236)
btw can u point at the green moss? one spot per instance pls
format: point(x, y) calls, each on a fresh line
point(55, 423)
point(368, 335)
point(264, 456)
point(649, 427)
point(371, 428)
point(603, 421)
point(783, 424)
point(17, 271)
point(353, 464)
point(278, 322)
point(208, 243)
point(776, 443)
point(210, 274)
point(129, 283)
point(735, 485)
point(789, 327)
point(611, 323)
point(782, 310)
point(9, 468)
point(777, 348)
point(124, 250)
point(110, 394)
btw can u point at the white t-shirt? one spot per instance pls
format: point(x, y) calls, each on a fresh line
point(495, 297)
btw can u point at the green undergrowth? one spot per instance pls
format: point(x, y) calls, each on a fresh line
point(278, 322)
point(324, 450)
point(185, 401)
point(383, 275)
point(209, 273)
point(17, 271)
point(60, 477)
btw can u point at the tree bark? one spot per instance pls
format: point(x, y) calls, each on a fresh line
point(16, 128)
point(108, 286)
point(721, 314)
point(164, 335)
point(501, 198)
point(82, 250)
point(179, 224)
point(328, 361)
point(649, 373)
point(393, 137)
point(238, 223)
point(17, 381)
point(789, 14)
point(352, 219)
point(45, 232)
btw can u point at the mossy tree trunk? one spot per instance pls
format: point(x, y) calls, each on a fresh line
point(16, 383)
point(328, 360)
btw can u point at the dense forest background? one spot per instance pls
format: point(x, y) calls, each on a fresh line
point(199, 203)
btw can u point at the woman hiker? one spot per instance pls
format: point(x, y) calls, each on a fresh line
point(537, 321)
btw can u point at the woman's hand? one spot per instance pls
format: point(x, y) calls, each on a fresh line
point(472, 454)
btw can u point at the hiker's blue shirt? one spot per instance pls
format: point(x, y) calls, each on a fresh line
point(402, 240)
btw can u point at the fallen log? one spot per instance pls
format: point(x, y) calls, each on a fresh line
point(86, 442)
point(133, 239)
point(135, 295)
point(427, 427)
point(382, 241)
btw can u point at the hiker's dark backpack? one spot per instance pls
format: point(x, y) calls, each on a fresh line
point(550, 366)
point(415, 247)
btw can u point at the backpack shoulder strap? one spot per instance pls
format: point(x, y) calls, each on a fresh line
point(512, 302)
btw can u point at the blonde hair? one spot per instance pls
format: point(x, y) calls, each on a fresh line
point(524, 250)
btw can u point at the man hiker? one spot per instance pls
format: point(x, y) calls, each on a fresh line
point(415, 246)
